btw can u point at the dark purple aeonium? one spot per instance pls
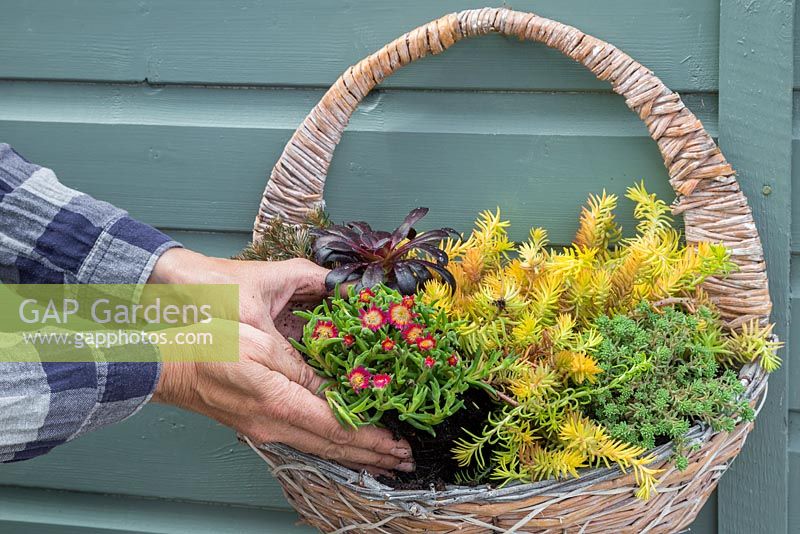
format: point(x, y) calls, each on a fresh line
point(403, 259)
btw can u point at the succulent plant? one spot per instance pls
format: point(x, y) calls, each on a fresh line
point(383, 352)
point(402, 259)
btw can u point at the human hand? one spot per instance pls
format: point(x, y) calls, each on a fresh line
point(268, 396)
point(265, 288)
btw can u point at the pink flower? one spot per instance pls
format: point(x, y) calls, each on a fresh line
point(380, 381)
point(348, 340)
point(359, 378)
point(325, 330)
point(400, 316)
point(412, 333)
point(429, 362)
point(453, 359)
point(408, 301)
point(365, 295)
point(372, 318)
point(387, 344)
point(426, 343)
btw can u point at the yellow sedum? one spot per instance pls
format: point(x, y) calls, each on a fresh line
point(754, 343)
point(537, 303)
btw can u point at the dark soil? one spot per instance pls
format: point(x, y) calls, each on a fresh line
point(435, 464)
point(290, 325)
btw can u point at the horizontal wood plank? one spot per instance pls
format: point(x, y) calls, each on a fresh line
point(37, 511)
point(189, 158)
point(308, 42)
point(220, 244)
point(161, 452)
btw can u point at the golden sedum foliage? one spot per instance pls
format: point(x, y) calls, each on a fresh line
point(519, 301)
point(753, 343)
point(538, 303)
point(543, 435)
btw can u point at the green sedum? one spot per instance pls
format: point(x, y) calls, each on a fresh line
point(683, 381)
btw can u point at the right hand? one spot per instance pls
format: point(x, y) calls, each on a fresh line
point(268, 395)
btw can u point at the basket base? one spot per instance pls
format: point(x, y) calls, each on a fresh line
point(600, 502)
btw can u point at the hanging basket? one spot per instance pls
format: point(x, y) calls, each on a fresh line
point(335, 499)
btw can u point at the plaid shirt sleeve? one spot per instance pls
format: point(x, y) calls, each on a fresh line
point(50, 233)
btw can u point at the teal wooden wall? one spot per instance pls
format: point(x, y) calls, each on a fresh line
point(177, 109)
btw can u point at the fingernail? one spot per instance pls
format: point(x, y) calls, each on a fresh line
point(401, 452)
point(407, 467)
point(403, 444)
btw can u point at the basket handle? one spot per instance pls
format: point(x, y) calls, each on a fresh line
point(714, 207)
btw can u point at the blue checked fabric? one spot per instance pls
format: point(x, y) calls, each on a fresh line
point(50, 233)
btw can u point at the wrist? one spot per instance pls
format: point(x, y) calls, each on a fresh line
point(176, 385)
point(184, 266)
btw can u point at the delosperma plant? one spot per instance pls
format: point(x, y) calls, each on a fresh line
point(385, 352)
point(402, 259)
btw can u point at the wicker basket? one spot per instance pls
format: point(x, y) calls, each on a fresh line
point(336, 499)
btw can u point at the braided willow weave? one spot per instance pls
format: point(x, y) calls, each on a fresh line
point(714, 209)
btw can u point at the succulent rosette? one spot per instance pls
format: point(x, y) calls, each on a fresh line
point(384, 352)
point(402, 259)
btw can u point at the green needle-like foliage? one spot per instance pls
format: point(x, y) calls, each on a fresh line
point(754, 343)
point(284, 241)
point(683, 384)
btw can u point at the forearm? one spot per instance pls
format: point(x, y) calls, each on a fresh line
point(45, 402)
point(50, 233)
point(53, 234)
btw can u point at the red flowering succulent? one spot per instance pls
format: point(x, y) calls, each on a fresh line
point(400, 316)
point(412, 333)
point(359, 378)
point(385, 355)
point(426, 343)
point(372, 318)
point(381, 380)
point(365, 295)
point(325, 330)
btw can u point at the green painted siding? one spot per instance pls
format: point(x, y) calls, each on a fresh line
point(755, 131)
point(176, 110)
point(211, 148)
point(309, 42)
point(22, 512)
